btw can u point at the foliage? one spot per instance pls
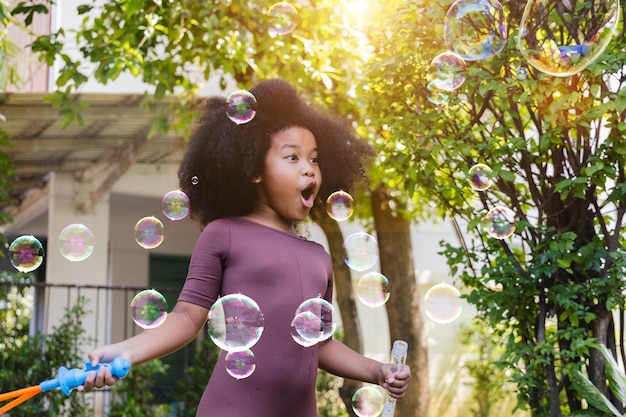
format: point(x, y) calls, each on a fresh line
point(329, 402)
point(599, 403)
point(29, 360)
point(488, 379)
point(126, 402)
point(555, 145)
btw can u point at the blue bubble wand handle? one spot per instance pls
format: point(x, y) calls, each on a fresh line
point(67, 380)
point(399, 351)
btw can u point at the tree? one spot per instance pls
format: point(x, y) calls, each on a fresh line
point(554, 145)
point(174, 46)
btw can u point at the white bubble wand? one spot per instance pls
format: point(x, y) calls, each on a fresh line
point(398, 357)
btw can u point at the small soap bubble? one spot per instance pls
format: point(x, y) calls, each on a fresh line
point(148, 309)
point(373, 289)
point(435, 94)
point(480, 177)
point(449, 71)
point(339, 206)
point(26, 253)
point(194, 180)
point(76, 242)
point(442, 303)
point(361, 251)
point(235, 322)
point(563, 38)
point(500, 222)
point(175, 205)
point(367, 401)
point(283, 18)
point(240, 365)
point(521, 73)
point(313, 322)
point(241, 106)
point(475, 29)
point(149, 232)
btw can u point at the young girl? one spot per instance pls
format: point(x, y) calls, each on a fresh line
point(249, 186)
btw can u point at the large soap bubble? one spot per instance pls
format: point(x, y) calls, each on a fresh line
point(149, 309)
point(76, 242)
point(562, 38)
point(442, 303)
point(361, 251)
point(313, 322)
point(235, 322)
point(475, 29)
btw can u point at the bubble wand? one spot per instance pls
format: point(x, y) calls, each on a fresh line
point(67, 380)
point(398, 358)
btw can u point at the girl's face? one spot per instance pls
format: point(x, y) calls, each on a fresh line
point(291, 178)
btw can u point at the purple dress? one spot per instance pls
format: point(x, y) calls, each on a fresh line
point(278, 271)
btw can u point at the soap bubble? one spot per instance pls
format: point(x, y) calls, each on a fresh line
point(313, 322)
point(194, 180)
point(361, 251)
point(339, 206)
point(26, 253)
point(148, 309)
point(76, 242)
point(500, 222)
point(373, 289)
point(561, 38)
point(282, 18)
point(475, 29)
point(149, 232)
point(449, 71)
point(367, 401)
point(235, 322)
point(175, 205)
point(521, 73)
point(241, 106)
point(240, 364)
point(442, 303)
point(435, 94)
point(479, 177)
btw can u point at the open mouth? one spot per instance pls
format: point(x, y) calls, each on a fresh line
point(307, 195)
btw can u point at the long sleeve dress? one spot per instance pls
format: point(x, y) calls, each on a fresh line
point(279, 271)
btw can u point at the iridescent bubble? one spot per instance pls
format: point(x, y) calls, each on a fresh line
point(361, 251)
point(373, 289)
point(435, 94)
point(368, 401)
point(26, 253)
point(442, 303)
point(235, 322)
point(501, 222)
point(175, 205)
point(148, 309)
point(194, 180)
point(480, 177)
point(475, 29)
point(449, 71)
point(149, 232)
point(241, 364)
point(241, 106)
point(521, 73)
point(283, 18)
point(313, 322)
point(339, 206)
point(561, 38)
point(76, 242)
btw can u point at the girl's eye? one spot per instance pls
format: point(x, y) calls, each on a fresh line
point(292, 157)
point(315, 160)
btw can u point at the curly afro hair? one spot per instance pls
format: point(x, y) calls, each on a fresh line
point(223, 157)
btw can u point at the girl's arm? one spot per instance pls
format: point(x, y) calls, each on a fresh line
point(340, 360)
point(181, 326)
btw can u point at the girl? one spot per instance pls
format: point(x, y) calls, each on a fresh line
point(249, 186)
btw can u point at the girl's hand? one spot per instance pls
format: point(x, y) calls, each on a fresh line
point(395, 379)
point(103, 377)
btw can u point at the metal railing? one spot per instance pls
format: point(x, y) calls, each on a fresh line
point(48, 299)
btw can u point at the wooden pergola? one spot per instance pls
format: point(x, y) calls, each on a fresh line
point(113, 137)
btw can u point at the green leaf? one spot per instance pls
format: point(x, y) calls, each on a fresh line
point(591, 394)
point(617, 379)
